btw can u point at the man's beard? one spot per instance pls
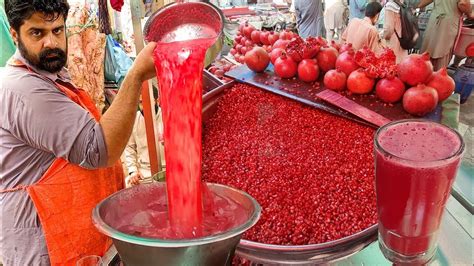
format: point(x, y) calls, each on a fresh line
point(51, 60)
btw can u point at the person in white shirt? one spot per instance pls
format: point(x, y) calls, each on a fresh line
point(137, 160)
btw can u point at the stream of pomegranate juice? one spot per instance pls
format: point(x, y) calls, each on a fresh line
point(179, 70)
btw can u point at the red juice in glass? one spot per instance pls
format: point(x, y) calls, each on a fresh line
point(416, 162)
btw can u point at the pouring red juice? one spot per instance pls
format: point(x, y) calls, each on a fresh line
point(179, 70)
point(416, 164)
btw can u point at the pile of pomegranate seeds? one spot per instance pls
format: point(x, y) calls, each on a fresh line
point(312, 172)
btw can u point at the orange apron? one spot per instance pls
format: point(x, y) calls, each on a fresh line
point(66, 194)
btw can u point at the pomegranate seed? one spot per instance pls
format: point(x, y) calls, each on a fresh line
point(312, 172)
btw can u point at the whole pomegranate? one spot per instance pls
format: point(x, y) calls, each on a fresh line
point(420, 100)
point(308, 70)
point(415, 69)
point(335, 80)
point(358, 82)
point(346, 62)
point(442, 83)
point(273, 37)
point(285, 67)
point(280, 44)
point(275, 53)
point(247, 30)
point(286, 35)
point(346, 47)
point(327, 57)
point(237, 39)
point(255, 36)
point(257, 59)
point(264, 37)
point(390, 90)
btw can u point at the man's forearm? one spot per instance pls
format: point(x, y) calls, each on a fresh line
point(117, 122)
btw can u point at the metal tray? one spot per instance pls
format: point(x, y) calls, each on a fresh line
point(291, 255)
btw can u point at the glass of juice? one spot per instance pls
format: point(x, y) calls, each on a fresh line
point(416, 162)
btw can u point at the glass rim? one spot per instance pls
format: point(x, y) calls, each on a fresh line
point(379, 147)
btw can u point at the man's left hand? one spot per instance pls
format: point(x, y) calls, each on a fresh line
point(144, 66)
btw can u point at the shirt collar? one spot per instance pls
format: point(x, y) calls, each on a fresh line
point(368, 20)
point(62, 75)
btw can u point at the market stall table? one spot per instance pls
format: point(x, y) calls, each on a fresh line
point(454, 237)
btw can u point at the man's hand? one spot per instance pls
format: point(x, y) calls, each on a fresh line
point(144, 67)
point(134, 179)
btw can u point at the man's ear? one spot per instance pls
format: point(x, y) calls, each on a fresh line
point(14, 35)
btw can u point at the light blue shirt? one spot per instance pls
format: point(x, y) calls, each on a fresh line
point(357, 8)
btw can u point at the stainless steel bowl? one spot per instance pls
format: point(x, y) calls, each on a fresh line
point(184, 20)
point(216, 249)
point(291, 255)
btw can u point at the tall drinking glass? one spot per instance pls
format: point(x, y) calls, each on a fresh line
point(416, 162)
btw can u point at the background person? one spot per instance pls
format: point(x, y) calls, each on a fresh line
point(362, 32)
point(336, 17)
point(442, 29)
point(392, 27)
point(136, 157)
point(59, 155)
point(309, 17)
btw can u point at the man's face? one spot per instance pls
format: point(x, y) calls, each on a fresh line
point(42, 42)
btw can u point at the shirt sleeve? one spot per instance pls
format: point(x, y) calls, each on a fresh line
point(374, 41)
point(389, 24)
point(47, 119)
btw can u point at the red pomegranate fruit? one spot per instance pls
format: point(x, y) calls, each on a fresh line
point(327, 57)
point(280, 44)
point(257, 59)
point(275, 53)
point(247, 30)
point(359, 83)
point(346, 47)
point(420, 100)
point(255, 36)
point(285, 67)
point(335, 80)
point(308, 70)
point(442, 83)
point(286, 35)
point(390, 90)
point(264, 37)
point(273, 37)
point(415, 69)
point(346, 62)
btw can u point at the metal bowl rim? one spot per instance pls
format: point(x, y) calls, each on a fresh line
point(247, 244)
point(174, 243)
point(165, 8)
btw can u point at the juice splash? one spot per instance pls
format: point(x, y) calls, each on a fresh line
point(146, 215)
point(179, 67)
point(416, 163)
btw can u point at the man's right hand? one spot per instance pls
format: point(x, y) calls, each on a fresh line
point(134, 179)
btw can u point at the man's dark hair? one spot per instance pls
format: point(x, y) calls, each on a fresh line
point(372, 9)
point(20, 10)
